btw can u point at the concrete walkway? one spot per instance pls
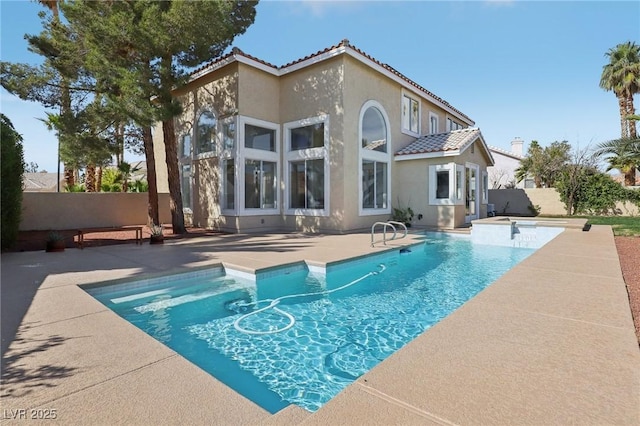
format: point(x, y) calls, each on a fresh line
point(551, 342)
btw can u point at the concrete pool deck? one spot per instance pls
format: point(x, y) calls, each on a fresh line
point(551, 342)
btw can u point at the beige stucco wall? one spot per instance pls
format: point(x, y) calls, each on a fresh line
point(337, 87)
point(517, 202)
point(258, 94)
point(73, 210)
point(312, 92)
point(411, 183)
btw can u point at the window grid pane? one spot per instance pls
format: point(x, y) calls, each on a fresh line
point(442, 184)
point(414, 116)
point(229, 184)
point(368, 184)
point(259, 138)
point(381, 185)
point(315, 184)
point(374, 131)
point(297, 185)
point(307, 137)
point(185, 183)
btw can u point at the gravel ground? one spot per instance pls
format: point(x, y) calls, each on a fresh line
point(628, 252)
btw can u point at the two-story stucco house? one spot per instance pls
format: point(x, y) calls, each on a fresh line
point(328, 143)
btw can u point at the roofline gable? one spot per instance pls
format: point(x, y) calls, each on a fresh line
point(344, 47)
point(450, 152)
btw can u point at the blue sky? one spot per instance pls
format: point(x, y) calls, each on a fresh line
point(524, 69)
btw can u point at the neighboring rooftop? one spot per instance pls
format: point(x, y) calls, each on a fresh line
point(505, 152)
point(41, 182)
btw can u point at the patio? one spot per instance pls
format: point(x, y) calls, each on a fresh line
point(551, 342)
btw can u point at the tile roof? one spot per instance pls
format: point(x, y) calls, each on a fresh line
point(456, 140)
point(343, 44)
point(505, 152)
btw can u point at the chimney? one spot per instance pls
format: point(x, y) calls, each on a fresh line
point(517, 146)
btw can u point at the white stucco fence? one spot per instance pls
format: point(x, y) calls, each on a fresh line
point(517, 202)
point(70, 210)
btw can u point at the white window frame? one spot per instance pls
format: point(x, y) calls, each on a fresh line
point(433, 131)
point(485, 187)
point(225, 155)
point(452, 199)
point(460, 183)
point(319, 153)
point(245, 154)
point(372, 155)
point(408, 131)
point(186, 160)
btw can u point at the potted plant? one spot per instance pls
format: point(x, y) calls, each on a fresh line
point(403, 215)
point(157, 237)
point(55, 242)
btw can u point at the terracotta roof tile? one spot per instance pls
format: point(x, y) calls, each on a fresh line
point(343, 43)
point(456, 140)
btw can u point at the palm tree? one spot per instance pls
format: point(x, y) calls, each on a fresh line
point(624, 155)
point(622, 76)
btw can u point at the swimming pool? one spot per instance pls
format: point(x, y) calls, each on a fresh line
point(355, 314)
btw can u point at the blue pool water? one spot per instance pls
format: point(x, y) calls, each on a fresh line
point(330, 338)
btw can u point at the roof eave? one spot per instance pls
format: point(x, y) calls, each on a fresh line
point(425, 155)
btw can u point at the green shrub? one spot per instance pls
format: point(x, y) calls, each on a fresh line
point(12, 166)
point(74, 188)
point(592, 192)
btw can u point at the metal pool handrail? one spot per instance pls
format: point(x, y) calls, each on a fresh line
point(390, 223)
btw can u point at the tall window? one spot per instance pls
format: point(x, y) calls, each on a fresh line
point(228, 184)
point(260, 184)
point(258, 164)
point(307, 162)
point(410, 114)
point(374, 159)
point(206, 133)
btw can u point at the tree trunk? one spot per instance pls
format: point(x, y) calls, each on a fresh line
point(90, 178)
point(147, 138)
point(99, 179)
point(631, 110)
point(630, 177)
point(69, 176)
point(537, 181)
point(173, 172)
point(624, 123)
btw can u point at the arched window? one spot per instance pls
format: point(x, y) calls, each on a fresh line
point(374, 159)
point(374, 130)
point(206, 133)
